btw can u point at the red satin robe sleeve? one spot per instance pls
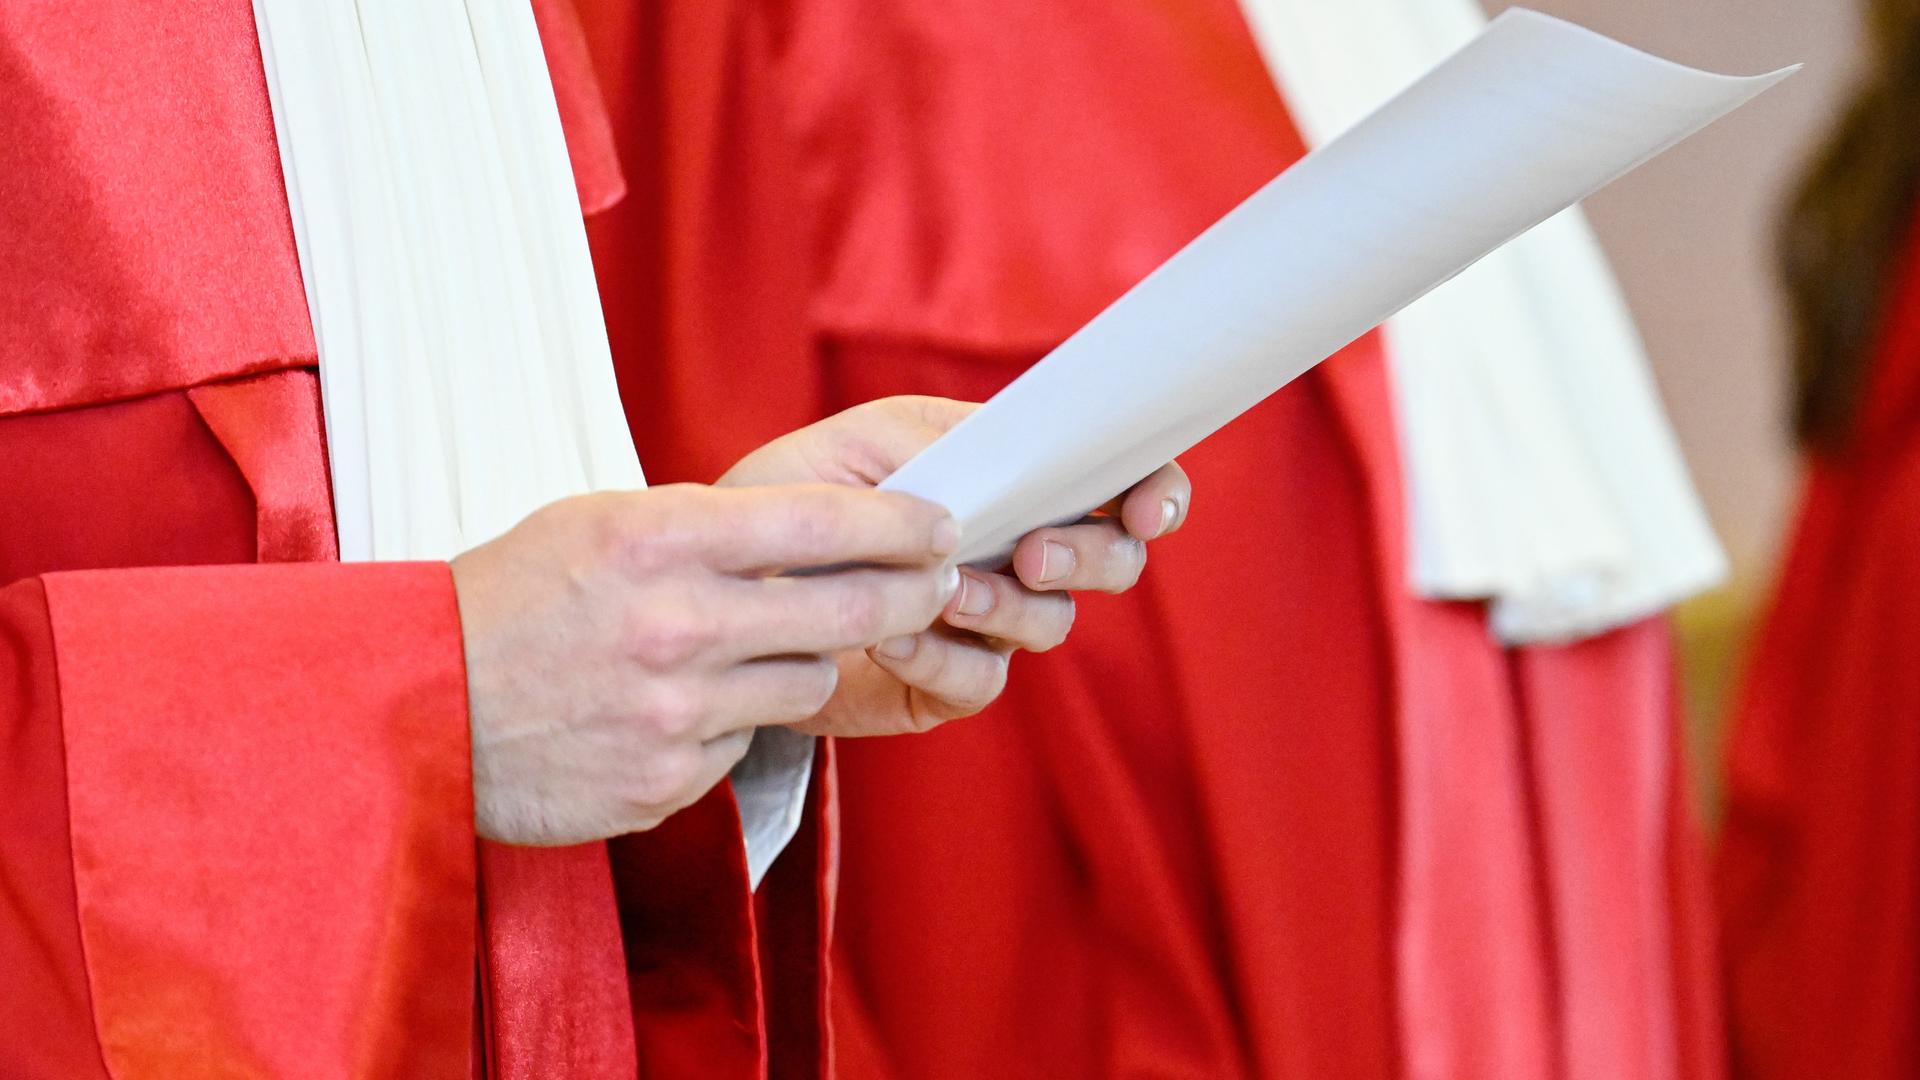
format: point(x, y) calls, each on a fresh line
point(235, 809)
point(237, 797)
point(239, 823)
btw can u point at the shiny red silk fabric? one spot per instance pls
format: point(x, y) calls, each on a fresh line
point(239, 826)
point(193, 744)
point(148, 246)
point(1268, 815)
point(1818, 869)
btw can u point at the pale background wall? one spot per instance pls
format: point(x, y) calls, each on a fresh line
point(1691, 236)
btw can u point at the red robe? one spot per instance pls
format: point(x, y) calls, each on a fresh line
point(239, 835)
point(1819, 866)
point(1267, 815)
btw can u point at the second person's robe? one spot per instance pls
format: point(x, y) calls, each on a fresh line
point(1270, 814)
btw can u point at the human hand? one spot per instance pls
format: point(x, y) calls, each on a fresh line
point(622, 647)
point(915, 681)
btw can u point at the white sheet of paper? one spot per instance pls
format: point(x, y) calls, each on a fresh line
point(1529, 118)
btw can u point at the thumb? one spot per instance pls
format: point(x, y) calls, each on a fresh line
point(892, 430)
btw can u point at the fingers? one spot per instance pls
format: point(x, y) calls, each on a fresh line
point(690, 710)
point(826, 613)
point(759, 530)
point(997, 606)
point(711, 762)
point(1098, 556)
point(774, 691)
point(652, 787)
point(861, 446)
point(1107, 555)
point(953, 675)
point(1157, 505)
point(875, 439)
point(720, 754)
point(938, 413)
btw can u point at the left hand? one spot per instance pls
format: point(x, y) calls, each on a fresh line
point(959, 666)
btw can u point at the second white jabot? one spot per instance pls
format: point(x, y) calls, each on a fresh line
point(1540, 470)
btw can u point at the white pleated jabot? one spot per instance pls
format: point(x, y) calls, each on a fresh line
point(1540, 471)
point(463, 360)
point(464, 365)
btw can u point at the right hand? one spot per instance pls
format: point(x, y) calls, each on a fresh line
point(622, 647)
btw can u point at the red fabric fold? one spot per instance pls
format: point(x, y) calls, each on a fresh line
point(583, 110)
point(272, 428)
point(1473, 972)
point(259, 884)
point(793, 914)
point(556, 984)
point(1603, 722)
point(46, 1014)
point(148, 246)
point(692, 958)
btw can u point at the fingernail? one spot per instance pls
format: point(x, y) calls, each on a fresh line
point(976, 597)
point(898, 648)
point(946, 536)
point(1169, 513)
point(1056, 561)
point(950, 585)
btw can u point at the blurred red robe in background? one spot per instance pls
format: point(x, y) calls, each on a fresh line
point(1819, 866)
point(1268, 815)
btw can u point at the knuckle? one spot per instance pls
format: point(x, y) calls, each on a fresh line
point(819, 687)
point(645, 532)
point(962, 692)
point(663, 642)
point(1128, 560)
point(983, 691)
point(937, 588)
point(928, 710)
point(990, 680)
point(921, 720)
point(1059, 625)
point(672, 713)
point(628, 539)
point(859, 613)
point(643, 819)
point(730, 747)
point(665, 782)
point(808, 525)
point(1069, 616)
point(933, 664)
point(996, 680)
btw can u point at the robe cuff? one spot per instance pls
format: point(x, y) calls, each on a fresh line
point(271, 812)
point(770, 788)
